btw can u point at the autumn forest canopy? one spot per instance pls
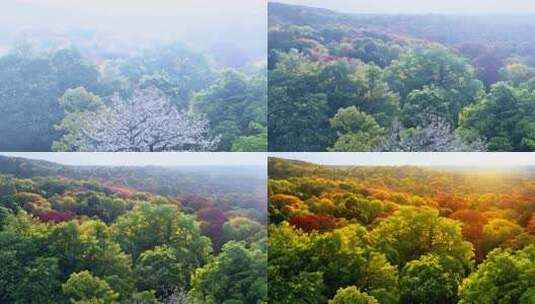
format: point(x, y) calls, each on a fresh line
point(350, 82)
point(93, 234)
point(383, 234)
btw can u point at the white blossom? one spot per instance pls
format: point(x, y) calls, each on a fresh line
point(177, 296)
point(436, 136)
point(147, 122)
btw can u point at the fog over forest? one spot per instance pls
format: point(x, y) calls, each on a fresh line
point(189, 75)
point(124, 26)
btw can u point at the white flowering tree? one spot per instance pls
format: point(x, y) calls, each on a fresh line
point(146, 122)
point(436, 136)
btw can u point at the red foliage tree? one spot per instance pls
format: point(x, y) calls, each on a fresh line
point(451, 201)
point(473, 223)
point(196, 202)
point(122, 192)
point(488, 66)
point(212, 225)
point(54, 216)
point(531, 225)
point(313, 222)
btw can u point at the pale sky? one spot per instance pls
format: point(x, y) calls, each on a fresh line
point(475, 159)
point(201, 23)
point(154, 7)
point(145, 159)
point(422, 6)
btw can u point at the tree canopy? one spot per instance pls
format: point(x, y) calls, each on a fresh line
point(365, 234)
point(426, 91)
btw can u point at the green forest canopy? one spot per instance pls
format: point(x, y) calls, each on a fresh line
point(342, 82)
point(131, 234)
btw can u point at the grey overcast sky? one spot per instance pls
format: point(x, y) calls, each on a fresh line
point(418, 159)
point(422, 6)
point(145, 159)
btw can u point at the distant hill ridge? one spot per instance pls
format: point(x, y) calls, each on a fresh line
point(492, 30)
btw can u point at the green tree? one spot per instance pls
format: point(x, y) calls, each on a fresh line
point(40, 283)
point(373, 95)
point(299, 111)
point(4, 213)
point(173, 69)
point(144, 297)
point(434, 65)
point(432, 101)
point(74, 102)
point(433, 81)
point(352, 295)
point(356, 206)
point(376, 51)
point(73, 71)
point(88, 246)
point(431, 279)
point(357, 131)
point(414, 231)
point(289, 278)
point(348, 248)
point(84, 288)
point(499, 233)
point(237, 275)
point(148, 226)
point(160, 269)
point(504, 277)
point(79, 100)
point(28, 97)
point(504, 118)
point(299, 124)
point(517, 73)
point(336, 82)
point(243, 229)
point(31, 86)
point(296, 256)
point(26, 275)
point(251, 143)
point(232, 103)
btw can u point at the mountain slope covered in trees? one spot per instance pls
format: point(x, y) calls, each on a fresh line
point(352, 234)
point(350, 82)
point(75, 234)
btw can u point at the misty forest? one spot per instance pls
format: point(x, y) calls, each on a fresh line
point(389, 235)
point(350, 82)
point(87, 88)
point(101, 235)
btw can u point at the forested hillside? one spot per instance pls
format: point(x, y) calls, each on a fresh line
point(131, 234)
point(349, 234)
point(349, 82)
point(167, 97)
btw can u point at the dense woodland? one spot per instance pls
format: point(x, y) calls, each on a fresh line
point(131, 234)
point(342, 82)
point(349, 235)
point(166, 97)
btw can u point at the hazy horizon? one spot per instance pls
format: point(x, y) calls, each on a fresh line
point(138, 24)
point(423, 159)
point(163, 159)
point(420, 6)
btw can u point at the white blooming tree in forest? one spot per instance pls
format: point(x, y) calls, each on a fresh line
point(146, 122)
point(436, 136)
